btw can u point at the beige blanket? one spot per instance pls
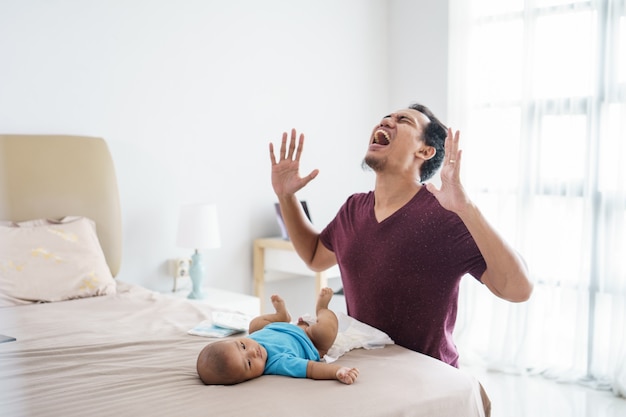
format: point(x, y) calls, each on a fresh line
point(129, 354)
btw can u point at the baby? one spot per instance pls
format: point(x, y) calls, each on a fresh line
point(274, 346)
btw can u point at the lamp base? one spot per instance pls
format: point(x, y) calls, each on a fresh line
point(196, 273)
point(196, 295)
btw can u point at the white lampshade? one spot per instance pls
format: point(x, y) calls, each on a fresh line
point(198, 227)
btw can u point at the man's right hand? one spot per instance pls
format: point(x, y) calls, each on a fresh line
point(286, 179)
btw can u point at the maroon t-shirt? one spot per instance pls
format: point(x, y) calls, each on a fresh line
point(402, 275)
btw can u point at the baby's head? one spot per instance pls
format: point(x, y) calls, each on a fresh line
point(231, 361)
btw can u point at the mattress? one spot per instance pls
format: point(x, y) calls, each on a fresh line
point(129, 354)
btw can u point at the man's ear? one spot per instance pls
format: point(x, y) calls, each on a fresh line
point(426, 152)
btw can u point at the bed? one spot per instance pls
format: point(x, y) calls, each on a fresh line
point(114, 348)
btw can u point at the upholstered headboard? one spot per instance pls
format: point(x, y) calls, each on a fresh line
point(53, 176)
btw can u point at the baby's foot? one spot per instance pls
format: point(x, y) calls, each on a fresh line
point(281, 308)
point(324, 299)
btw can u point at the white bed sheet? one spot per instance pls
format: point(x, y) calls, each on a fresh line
point(129, 354)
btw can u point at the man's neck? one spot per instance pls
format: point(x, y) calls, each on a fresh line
point(391, 193)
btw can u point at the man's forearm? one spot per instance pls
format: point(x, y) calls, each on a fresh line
point(301, 233)
point(506, 274)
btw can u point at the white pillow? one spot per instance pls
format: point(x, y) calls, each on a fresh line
point(51, 260)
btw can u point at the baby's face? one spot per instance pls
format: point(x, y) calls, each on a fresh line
point(246, 358)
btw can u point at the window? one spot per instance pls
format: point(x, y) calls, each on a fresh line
point(538, 89)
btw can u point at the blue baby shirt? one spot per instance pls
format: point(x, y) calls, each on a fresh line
point(289, 349)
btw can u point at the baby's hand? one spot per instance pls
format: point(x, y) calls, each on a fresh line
point(347, 375)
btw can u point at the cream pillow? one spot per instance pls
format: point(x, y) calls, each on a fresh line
point(50, 260)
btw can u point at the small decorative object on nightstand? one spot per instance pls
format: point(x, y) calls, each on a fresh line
point(198, 229)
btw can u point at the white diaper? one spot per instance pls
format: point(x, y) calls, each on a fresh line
point(352, 334)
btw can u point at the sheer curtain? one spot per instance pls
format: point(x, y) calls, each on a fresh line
point(538, 90)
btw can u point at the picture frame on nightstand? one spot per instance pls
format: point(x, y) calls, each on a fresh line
point(281, 223)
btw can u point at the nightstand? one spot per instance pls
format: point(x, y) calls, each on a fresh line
point(275, 258)
point(225, 300)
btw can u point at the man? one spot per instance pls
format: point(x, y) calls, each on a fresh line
point(403, 248)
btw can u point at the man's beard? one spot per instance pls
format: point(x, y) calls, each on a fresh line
point(373, 163)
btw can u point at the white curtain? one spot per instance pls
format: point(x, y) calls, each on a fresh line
point(538, 90)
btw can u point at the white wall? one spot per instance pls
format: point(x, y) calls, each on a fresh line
point(188, 95)
point(418, 44)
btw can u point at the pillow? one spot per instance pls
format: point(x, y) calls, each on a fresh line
point(352, 334)
point(51, 260)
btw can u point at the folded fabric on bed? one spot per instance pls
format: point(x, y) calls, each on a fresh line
point(51, 260)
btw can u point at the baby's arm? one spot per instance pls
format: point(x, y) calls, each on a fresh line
point(322, 370)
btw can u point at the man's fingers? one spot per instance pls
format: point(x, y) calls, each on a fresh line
point(292, 144)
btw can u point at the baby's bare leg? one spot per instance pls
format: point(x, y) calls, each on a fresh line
point(324, 332)
point(281, 315)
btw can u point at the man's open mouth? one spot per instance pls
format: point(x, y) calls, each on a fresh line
point(381, 137)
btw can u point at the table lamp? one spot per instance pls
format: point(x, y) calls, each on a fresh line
point(198, 229)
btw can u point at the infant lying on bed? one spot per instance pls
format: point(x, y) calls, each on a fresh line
point(277, 347)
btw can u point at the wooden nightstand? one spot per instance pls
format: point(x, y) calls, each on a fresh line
point(276, 258)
